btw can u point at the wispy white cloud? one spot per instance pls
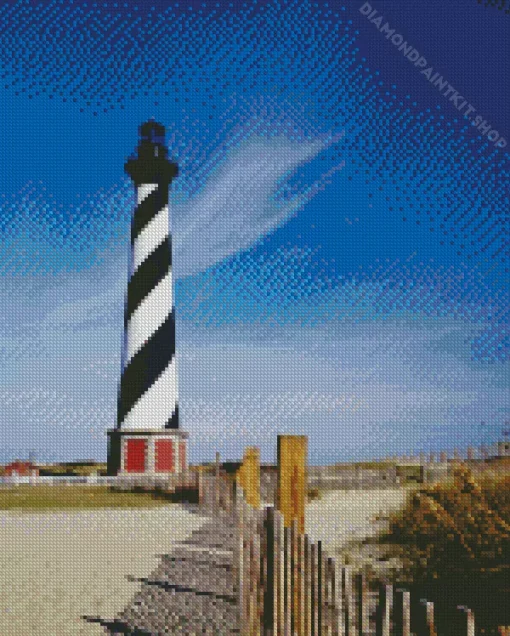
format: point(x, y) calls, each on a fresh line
point(239, 201)
point(84, 309)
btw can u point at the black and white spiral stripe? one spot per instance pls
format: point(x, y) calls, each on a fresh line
point(148, 388)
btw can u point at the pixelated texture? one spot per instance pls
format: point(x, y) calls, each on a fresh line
point(339, 229)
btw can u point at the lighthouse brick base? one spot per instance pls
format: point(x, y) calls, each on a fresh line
point(149, 452)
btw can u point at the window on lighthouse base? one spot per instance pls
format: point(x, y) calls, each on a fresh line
point(136, 453)
point(164, 456)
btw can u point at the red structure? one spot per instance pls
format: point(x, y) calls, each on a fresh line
point(136, 455)
point(164, 456)
point(21, 468)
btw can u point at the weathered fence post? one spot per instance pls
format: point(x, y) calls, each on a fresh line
point(314, 591)
point(230, 487)
point(326, 590)
point(294, 575)
point(339, 602)
point(240, 558)
point(361, 603)
point(248, 476)
point(422, 618)
point(348, 601)
point(280, 572)
point(332, 609)
point(320, 587)
point(384, 609)
point(301, 568)
point(250, 611)
point(292, 479)
point(466, 620)
point(254, 605)
point(287, 582)
point(308, 587)
point(402, 613)
point(270, 602)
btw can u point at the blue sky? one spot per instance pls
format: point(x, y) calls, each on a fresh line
point(340, 231)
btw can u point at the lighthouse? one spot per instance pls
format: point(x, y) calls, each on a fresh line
point(147, 438)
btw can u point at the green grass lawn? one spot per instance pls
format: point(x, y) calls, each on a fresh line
point(46, 498)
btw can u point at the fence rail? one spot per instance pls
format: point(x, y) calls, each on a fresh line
point(187, 479)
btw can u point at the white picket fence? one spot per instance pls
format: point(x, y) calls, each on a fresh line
point(187, 479)
point(34, 479)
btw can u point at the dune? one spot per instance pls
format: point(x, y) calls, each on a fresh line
point(343, 519)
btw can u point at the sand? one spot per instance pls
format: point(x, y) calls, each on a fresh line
point(56, 568)
point(342, 519)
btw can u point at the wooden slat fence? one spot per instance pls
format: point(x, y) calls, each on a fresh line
point(285, 583)
point(288, 586)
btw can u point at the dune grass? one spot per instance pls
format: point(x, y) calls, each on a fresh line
point(75, 497)
point(454, 540)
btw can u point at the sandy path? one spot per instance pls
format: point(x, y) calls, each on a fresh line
point(55, 568)
point(342, 516)
point(192, 591)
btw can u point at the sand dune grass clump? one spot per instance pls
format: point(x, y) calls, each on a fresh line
point(454, 542)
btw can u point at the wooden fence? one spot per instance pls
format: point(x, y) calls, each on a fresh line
point(285, 583)
point(288, 586)
point(216, 492)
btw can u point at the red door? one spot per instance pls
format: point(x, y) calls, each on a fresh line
point(136, 450)
point(164, 456)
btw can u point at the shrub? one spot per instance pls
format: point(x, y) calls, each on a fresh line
point(454, 541)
